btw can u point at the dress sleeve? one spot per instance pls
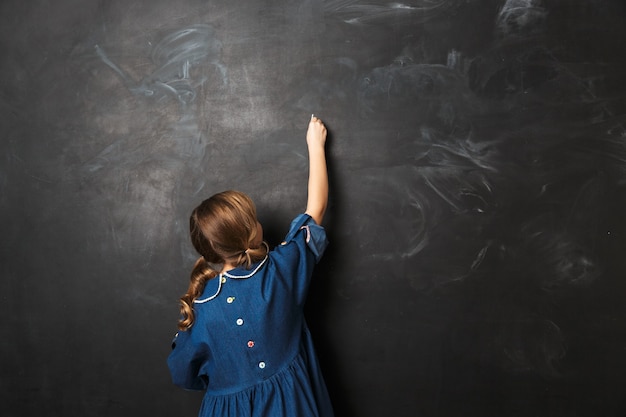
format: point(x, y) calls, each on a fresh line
point(316, 238)
point(185, 361)
point(294, 259)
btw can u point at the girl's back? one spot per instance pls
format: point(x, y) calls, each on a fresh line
point(244, 338)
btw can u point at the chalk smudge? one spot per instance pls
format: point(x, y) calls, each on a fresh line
point(175, 58)
point(150, 168)
point(353, 13)
point(521, 17)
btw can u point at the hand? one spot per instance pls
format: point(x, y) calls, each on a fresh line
point(316, 134)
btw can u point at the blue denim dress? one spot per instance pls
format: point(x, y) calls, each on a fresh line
point(250, 347)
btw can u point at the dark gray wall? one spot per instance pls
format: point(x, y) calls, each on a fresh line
point(478, 168)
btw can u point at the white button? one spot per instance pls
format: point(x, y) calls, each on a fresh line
point(239, 322)
point(230, 300)
point(223, 280)
point(262, 365)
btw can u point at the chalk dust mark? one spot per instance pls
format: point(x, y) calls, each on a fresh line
point(455, 60)
point(351, 12)
point(521, 17)
point(418, 239)
point(103, 56)
point(480, 257)
point(175, 58)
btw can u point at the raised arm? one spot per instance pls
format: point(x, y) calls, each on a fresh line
point(318, 176)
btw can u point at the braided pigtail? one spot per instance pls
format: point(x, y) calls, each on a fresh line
point(200, 275)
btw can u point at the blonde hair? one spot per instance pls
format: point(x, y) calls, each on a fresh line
point(223, 228)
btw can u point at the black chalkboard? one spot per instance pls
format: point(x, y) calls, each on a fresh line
point(477, 154)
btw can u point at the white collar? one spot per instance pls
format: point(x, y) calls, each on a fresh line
point(221, 278)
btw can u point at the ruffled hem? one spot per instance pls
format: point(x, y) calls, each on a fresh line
point(286, 393)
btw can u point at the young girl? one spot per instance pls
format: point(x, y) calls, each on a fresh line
point(243, 336)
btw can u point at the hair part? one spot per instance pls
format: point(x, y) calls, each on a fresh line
point(223, 228)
